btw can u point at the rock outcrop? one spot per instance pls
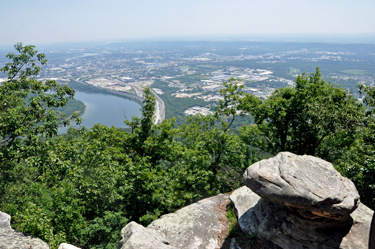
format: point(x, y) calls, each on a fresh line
point(137, 236)
point(244, 201)
point(308, 184)
point(5, 221)
point(10, 239)
point(201, 225)
point(67, 246)
point(305, 203)
point(295, 202)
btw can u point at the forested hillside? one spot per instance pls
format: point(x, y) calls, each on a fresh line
point(82, 187)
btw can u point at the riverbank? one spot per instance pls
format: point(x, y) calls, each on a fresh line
point(85, 87)
point(107, 109)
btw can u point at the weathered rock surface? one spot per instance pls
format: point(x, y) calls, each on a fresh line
point(244, 200)
point(5, 221)
point(358, 235)
point(16, 240)
point(136, 236)
point(202, 225)
point(276, 223)
point(9, 239)
point(67, 246)
point(309, 184)
point(199, 225)
point(300, 207)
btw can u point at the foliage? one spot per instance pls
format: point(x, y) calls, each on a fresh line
point(84, 186)
point(229, 107)
point(242, 239)
point(26, 103)
point(26, 118)
point(73, 106)
point(234, 227)
point(102, 232)
point(33, 220)
point(359, 164)
point(369, 94)
point(314, 118)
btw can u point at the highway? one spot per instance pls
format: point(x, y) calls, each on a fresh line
point(160, 109)
point(160, 106)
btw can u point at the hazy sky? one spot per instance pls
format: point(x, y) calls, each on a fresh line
point(47, 21)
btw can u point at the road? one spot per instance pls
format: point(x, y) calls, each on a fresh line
point(160, 109)
point(160, 106)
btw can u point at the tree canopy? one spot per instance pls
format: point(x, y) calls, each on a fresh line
point(26, 103)
point(313, 117)
point(82, 187)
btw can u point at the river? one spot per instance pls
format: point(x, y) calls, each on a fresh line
point(105, 109)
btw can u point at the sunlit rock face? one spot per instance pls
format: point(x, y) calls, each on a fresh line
point(309, 184)
point(10, 239)
point(202, 225)
point(67, 246)
point(305, 203)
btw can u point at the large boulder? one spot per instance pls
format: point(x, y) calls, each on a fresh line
point(202, 225)
point(306, 183)
point(278, 224)
point(10, 239)
point(305, 204)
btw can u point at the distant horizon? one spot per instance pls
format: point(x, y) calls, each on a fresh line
point(47, 22)
point(339, 38)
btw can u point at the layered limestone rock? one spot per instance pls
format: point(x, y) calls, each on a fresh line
point(305, 203)
point(201, 225)
point(9, 239)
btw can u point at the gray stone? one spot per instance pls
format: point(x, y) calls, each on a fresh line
point(67, 246)
point(5, 221)
point(15, 240)
point(358, 235)
point(286, 228)
point(202, 225)
point(244, 200)
point(308, 184)
point(10, 239)
point(136, 236)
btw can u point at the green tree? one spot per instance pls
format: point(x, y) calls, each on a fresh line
point(26, 110)
point(26, 103)
point(313, 117)
point(27, 119)
point(359, 163)
point(230, 106)
point(142, 128)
